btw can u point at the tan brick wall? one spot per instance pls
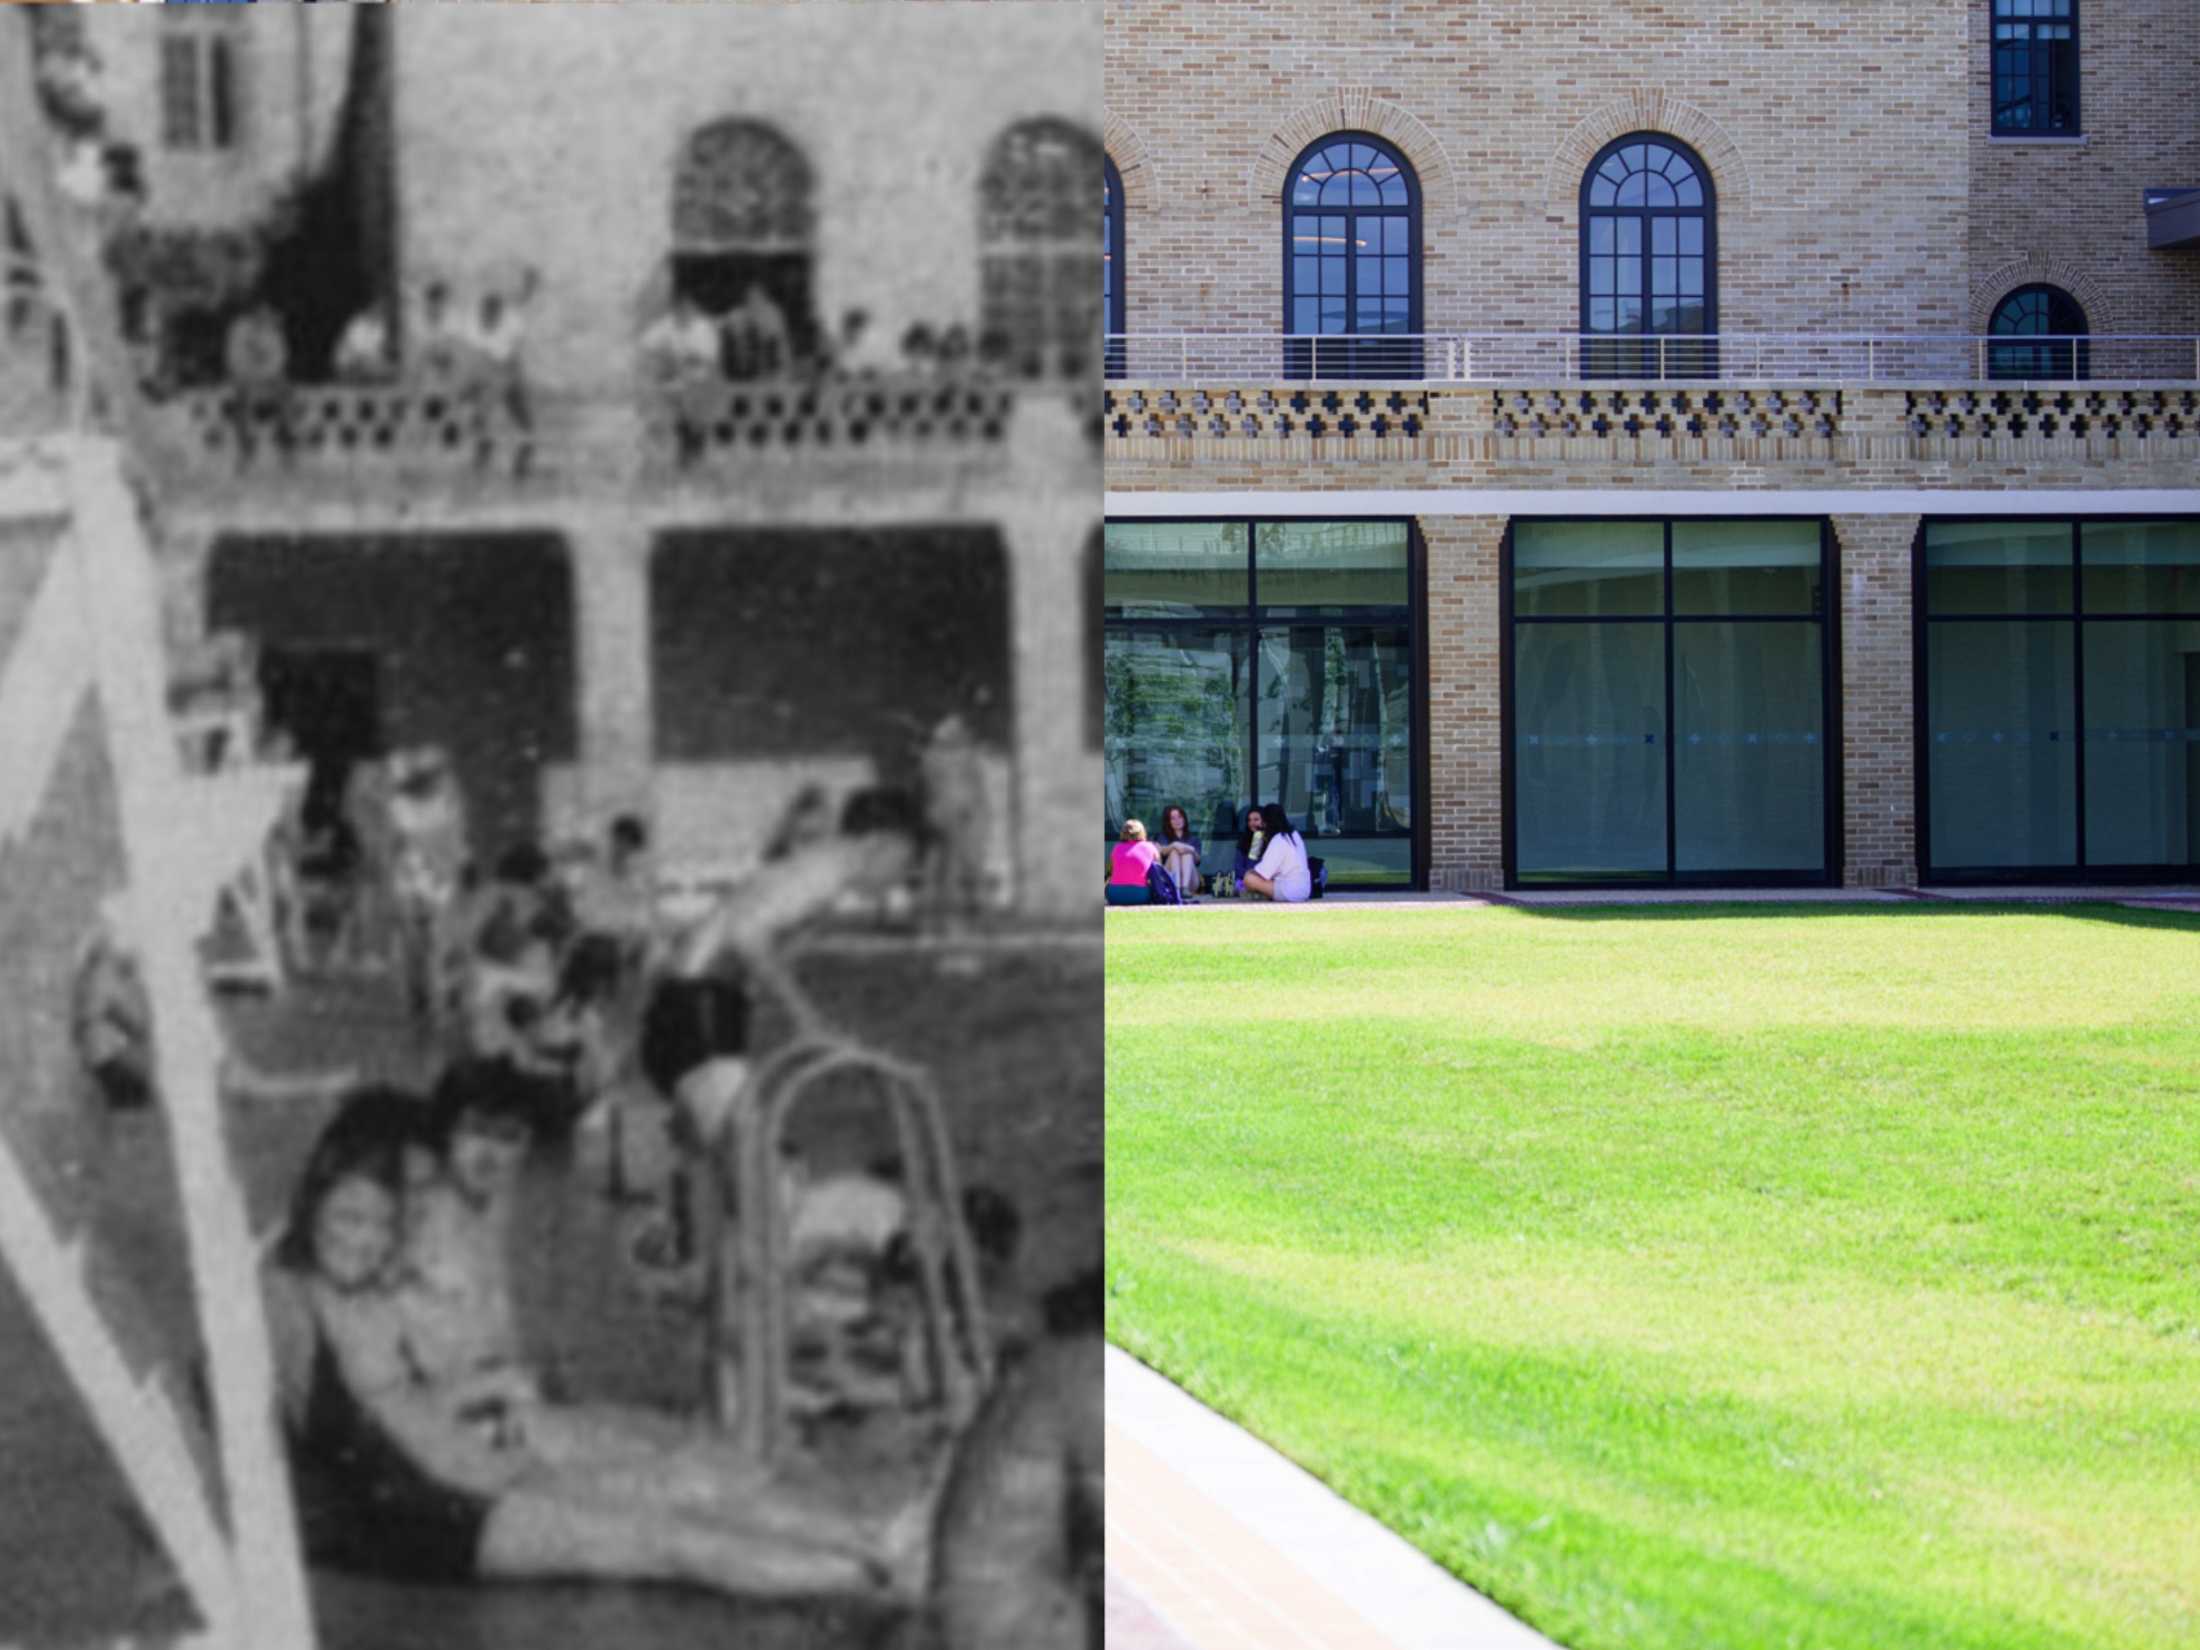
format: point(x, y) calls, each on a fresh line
point(1878, 716)
point(1835, 137)
point(2070, 214)
point(1466, 750)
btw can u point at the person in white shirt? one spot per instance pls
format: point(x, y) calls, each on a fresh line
point(1282, 873)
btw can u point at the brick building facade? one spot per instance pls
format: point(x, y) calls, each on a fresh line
point(1871, 230)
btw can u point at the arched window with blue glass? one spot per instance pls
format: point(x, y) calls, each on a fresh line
point(2038, 332)
point(1649, 262)
point(1111, 263)
point(1352, 261)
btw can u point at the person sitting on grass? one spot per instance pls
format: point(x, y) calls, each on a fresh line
point(1179, 850)
point(1252, 842)
point(1282, 874)
point(1129, 864)
point(394, 1479)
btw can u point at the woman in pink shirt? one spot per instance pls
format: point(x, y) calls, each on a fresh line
point(1133, 857)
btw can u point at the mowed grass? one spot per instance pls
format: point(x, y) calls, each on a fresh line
point(1801, 1277)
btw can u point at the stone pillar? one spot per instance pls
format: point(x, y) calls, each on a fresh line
point(1465, 803)
point(1050, 517)
point(1878, 718)
point(616, 717)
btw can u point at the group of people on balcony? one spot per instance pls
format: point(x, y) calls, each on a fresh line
point(1271, 862)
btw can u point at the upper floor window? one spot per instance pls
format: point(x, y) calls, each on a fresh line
point(198, 88)
point(2036, 67)
point(1352, 260)
point(1649, 245)
point(1111, 263)
point(741, 244)
point(1036, 241)
point(2046, 332)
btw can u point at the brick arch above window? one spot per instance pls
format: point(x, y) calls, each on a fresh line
point(2033, 269)
point(1353, 109)
point(1128, 150)
point(1648, 109)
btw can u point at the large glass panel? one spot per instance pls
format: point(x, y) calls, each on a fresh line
point(1746, 566)
point(2142, 743)
point(1997, 567)
point(1177, 702)
point(1336, 738)
point(1589, 752)
point(1749, 752)
point(1159, 569)
point(1332, 564)
point(2003, 752)
point(2140, 566)
point(1588, 568)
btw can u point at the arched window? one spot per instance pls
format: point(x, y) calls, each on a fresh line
point(1352, 261)
point(2053, 333)
point(1649, 249)
point(1111, 263)
point(742, 224)
point(1037, 241)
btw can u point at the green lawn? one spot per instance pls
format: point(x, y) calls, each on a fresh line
point(1693, 1278)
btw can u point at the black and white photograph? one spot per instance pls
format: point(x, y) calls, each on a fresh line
point(550, 1065)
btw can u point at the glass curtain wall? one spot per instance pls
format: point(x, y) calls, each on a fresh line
point(1265, 662)
point(1668, 702)
point(2061, 708)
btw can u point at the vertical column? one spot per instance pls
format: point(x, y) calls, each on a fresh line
point(1878, 716)
point(1049, 515)
point(617, 720)
point(1465, 803)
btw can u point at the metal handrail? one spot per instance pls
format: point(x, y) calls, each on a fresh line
point(1754, 358)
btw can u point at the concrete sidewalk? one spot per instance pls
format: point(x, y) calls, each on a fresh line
point(1216, 1542)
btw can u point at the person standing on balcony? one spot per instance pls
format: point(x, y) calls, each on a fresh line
point(680, 354)
point(256, 357)
point(758, 341)
point(499, 342)
point(363, 353)
point(438, 352)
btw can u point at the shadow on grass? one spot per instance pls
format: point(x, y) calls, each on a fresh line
point(2126, 916)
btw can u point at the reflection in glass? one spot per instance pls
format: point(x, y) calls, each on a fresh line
point(1746, 566)
point(1588, 751)
point(2002, 752)
point(2142, 743)
point(2140, 566)
point(1997, 567)
point(1162, 568)
point(1588, 568)
point(1332, 564)
point(1176, 733)
point(1749, 750)
point(1336, 730)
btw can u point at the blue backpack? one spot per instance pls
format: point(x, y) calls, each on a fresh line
point(1162, 886)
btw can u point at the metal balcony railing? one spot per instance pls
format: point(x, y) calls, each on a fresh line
point(1568, 357)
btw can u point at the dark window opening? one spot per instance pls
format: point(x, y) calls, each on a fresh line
point(1649, 262)
point(2036, 67)
point(2047, 330)
point(742, 230)
point(1111, 265)
point(1036, 248)
point(1352, 262)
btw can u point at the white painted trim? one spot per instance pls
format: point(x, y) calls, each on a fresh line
point(1646, 501)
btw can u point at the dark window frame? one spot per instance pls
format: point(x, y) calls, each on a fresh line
point(2010, 361)
point(1111, 265)
point(1377, 362)
point(1828, 619)
point(1251, 618)
point(1634, 354)
point(1920, 689)
point(2042, 74)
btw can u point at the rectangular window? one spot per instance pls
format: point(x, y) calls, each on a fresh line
point(1266, 662)
point(2061, 707)
point(1667, 702)
point(2035, 51)
point(198, 90)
